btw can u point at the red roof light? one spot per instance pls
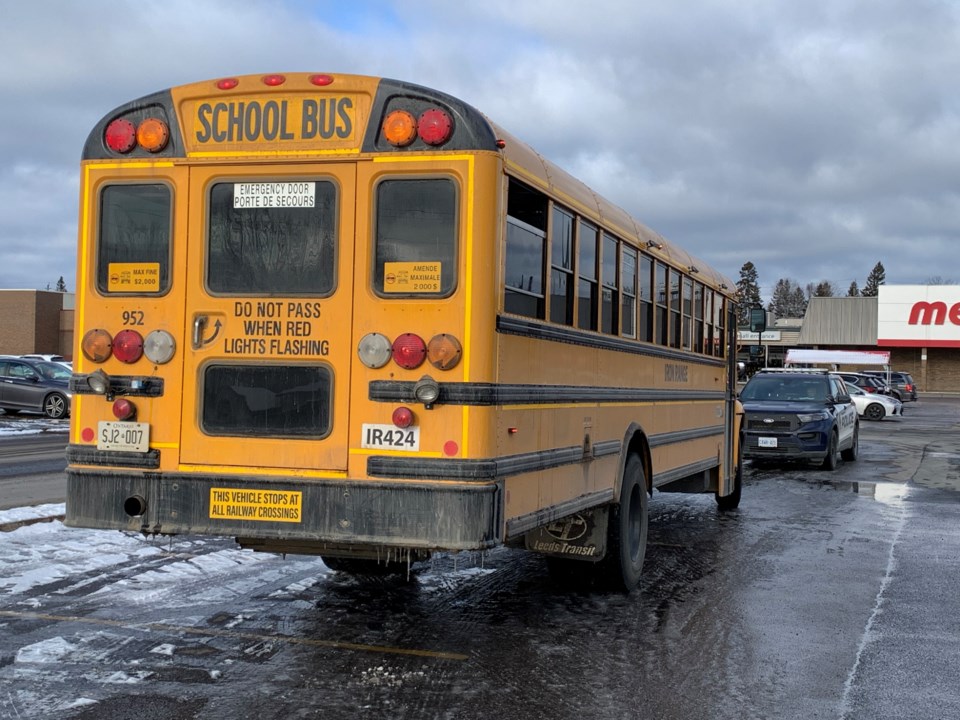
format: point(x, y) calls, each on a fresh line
point(120, 136)
point(434, 126)
point(274, 80)
point(321, 79)
point(227, 83)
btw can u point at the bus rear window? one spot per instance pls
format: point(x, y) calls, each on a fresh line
point(267, 400)
point(272, 238)
point(416, 238)
point(134, 244)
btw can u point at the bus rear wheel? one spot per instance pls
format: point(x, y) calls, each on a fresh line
point(627, 530)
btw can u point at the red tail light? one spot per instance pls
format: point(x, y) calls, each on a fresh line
point(409, 351)
point(908, 387)
point(128, 346)
point(434, 127)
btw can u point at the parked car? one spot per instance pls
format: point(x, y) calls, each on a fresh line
point(901, 382)
point(868, 383)
point(873, 406)
point(799, 415)
point(34, 385)
point(48, 358)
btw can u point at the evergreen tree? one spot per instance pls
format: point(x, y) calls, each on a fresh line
point(876, 278)
point(61, 285)
point(748, 292)
point(853, 290)
point(824, 289)
point(789, 300)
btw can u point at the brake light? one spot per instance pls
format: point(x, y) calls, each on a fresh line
point(908, 387)
point(409, 351)
point(128, 346)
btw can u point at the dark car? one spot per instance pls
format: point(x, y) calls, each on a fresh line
point(902, 383)
point(868, 383)
point(35, 385)
point(799, 415)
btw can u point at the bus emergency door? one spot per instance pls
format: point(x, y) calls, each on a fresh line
point(267, 331)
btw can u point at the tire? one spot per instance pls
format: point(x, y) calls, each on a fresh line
point(55, 406)
point(874, 411)
point(732, 501)
point(627, 530)
point(853, 452)
point(830, 461)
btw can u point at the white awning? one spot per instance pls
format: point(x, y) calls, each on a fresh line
point(837, 357)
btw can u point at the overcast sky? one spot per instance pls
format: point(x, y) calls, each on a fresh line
point(810, 138)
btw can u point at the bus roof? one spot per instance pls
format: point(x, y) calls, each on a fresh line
point(347, 112)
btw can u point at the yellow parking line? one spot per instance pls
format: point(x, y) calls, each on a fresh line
point(213, 632)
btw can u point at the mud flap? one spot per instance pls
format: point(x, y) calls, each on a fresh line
point(582, 536)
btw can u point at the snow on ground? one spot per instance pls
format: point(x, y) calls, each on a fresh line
point(11, 425)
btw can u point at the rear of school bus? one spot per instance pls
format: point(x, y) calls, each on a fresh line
point(276, 277)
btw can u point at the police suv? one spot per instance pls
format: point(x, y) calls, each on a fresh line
point(799, 415)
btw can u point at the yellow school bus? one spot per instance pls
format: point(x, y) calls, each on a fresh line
point(352, 316)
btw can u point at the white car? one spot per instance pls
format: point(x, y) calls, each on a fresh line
point(873, 406)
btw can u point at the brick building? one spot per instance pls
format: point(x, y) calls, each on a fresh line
point(36, 321)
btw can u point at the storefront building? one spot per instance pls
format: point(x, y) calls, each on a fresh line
point(918, 324)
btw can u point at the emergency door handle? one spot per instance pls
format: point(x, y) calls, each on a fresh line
point(199, 323)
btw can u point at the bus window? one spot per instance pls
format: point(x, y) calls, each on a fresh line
point(525, 251)
point(662, 319)
point(646, 298)
point(609, 321)
point(416, 225)
point(135, 223)
point(267, 400)
point(698, 318)
point(687, 313)
point(561, 267)
point(587, 299)
point(275, 250)
point(628, 305)
point(674, 309)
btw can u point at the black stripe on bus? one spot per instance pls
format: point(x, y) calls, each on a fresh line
point(507, 394)
point(89, 455)
point(683, 471)
point(487, 469)
point(542, 331)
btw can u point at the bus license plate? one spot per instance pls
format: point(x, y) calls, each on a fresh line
point(390, 437)
point(768, 442)
point(127, 436)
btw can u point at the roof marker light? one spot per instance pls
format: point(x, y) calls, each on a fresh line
point(273, 80)
point(321, 79)
point(400, 128)
point(227, 83)
point(153, 134)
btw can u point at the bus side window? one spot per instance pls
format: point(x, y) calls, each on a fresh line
point(526, 251)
